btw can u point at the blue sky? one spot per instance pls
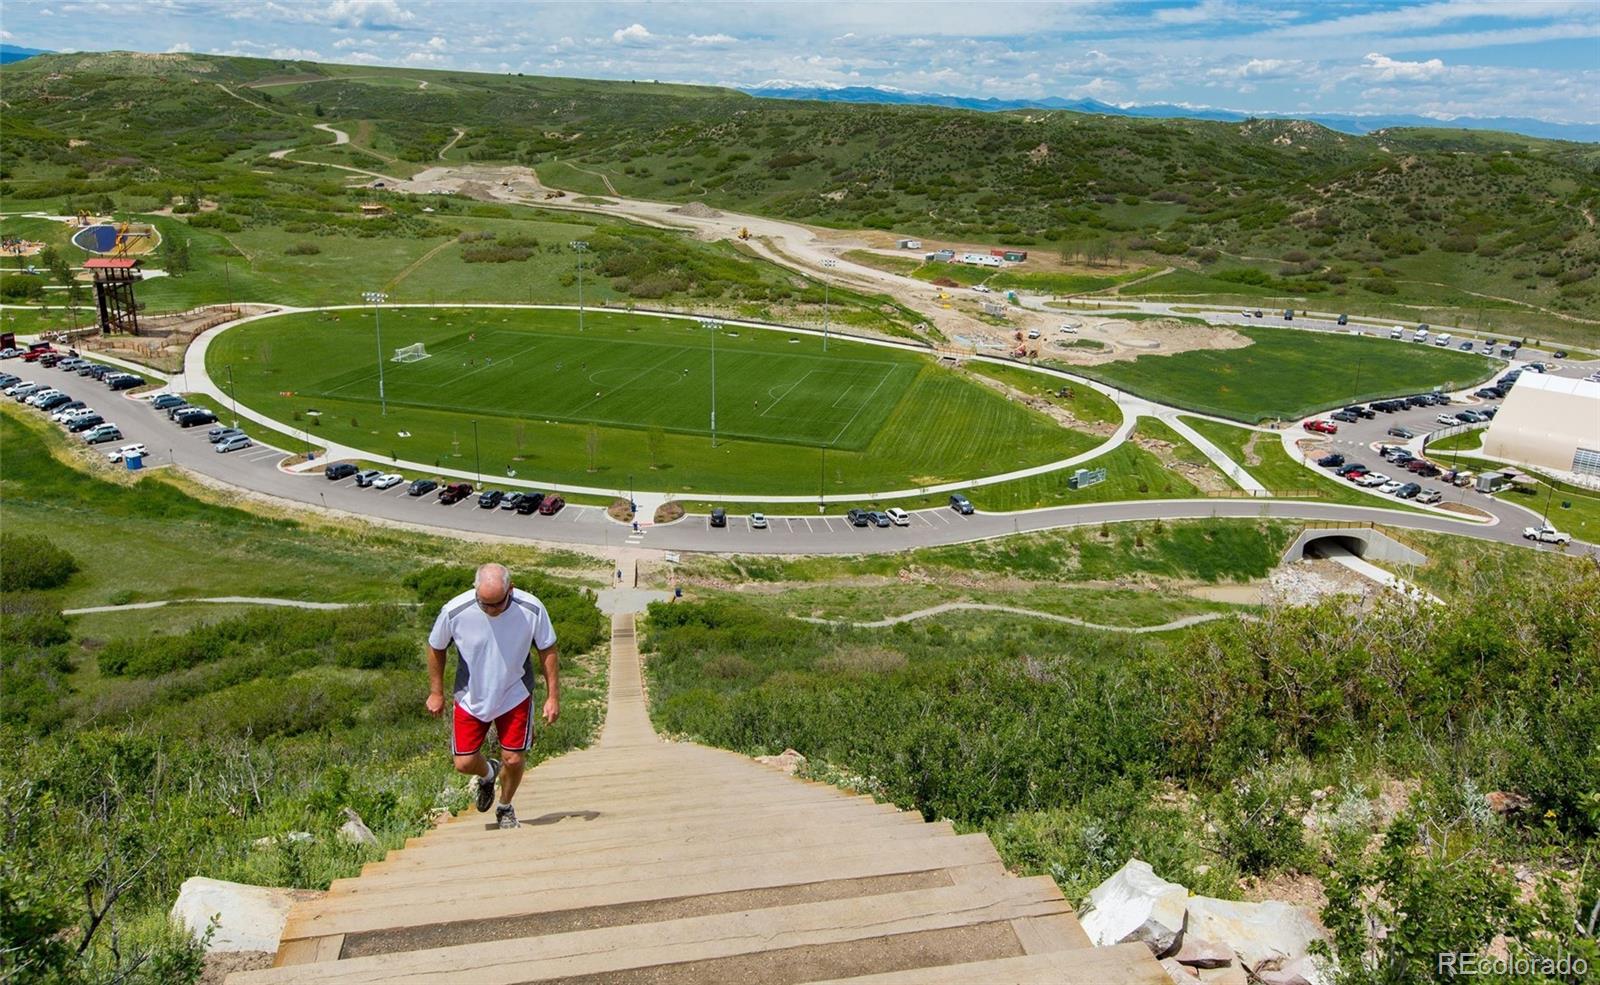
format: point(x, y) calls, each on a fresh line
point(1536, 58)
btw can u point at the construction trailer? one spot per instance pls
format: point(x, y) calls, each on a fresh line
point(114, 278)
point(910, 244)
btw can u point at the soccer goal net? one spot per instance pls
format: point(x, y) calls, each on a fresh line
point(410, 353)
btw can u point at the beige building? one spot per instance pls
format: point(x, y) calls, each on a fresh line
point(1548, 422)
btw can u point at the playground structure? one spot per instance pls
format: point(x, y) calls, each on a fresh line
point(12, 246)
point(116, 239)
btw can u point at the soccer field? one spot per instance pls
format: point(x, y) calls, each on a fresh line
point(507, 391)
point(762, 392)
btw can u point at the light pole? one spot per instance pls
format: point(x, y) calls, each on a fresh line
point(477, 454)
point(822, 483)
point(233, 395)
point(376, 299)
point(580, 247)
point(826, 307)
point(716, 327)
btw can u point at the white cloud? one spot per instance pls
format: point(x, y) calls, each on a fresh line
point(5, 35)
point(180, 48)
point(634, 33)
point(712, 39)
point(1386, 69)
point(295, 54)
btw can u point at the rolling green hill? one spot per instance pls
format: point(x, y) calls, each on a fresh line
point(1383, 223)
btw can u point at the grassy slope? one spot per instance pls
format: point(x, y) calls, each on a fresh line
point(1327, 214)
point(1287, 374)
point(943, 426)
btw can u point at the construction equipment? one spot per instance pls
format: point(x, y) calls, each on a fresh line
point(744, 232)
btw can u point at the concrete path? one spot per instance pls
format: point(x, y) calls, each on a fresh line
point(1218, 457)
point(644, 861)
point(1366, 569)
point(936, 610)
point(221, 599)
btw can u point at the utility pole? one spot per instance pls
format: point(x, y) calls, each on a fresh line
point(376, 299)
point(233, 395)
point(477, 453)
point(827, 309)
point(822, 483)
point(715, 327)
point(1357, 395)
point(580, 247)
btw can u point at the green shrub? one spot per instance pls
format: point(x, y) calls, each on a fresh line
point(29, 562)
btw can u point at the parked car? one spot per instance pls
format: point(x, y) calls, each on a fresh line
point(1391, 487)
point(195, 417)
point(1429, 496)
point(82, 424)
point(487, 500)
point(1372, 480)
point(1409, 490)
point(1345, 417)
point(878, 519)
point(367, 477)
point(1321, 427)
point(961, 504)
point(233, 443)
point(719, 517)
point(1332, 461)
point(126, 452)
point(1448, 420)
point(1288, 314)
point(455, 492)
point(340, 470)
point(68, 409)
point(1402, 432)
point(421, 487)
point(898, 517)
point(166, 400)
point(10, 352)
point(53, 402)
point(1546, 534)
point(1360, 411)
point(510, 500)
point(19, 391)
point(530, 503)
point(857, 518)
point(1465, 346)
point(1487, 393)
point(1346, 469)
point(551, 505)
point(102, 433)
point(125, 382)
point(758, 521)
point(1344, 319)
point(218, 433)
point(1559, 353)
point(388, 480)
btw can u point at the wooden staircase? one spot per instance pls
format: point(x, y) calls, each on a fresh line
point(643, 862)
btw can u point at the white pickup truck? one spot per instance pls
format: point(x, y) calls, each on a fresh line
point(1546, 535)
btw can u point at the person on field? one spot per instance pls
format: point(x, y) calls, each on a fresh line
point(495, 628)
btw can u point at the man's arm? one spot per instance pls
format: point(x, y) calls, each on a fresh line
point(552, 685)
point(435, 681)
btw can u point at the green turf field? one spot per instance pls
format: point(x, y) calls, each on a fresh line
point(1287, 373)
point(632, 394)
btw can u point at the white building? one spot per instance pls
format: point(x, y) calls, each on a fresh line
point(1550, 422)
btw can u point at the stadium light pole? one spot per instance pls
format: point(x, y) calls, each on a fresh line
point(715, 327)
point(477, 453)
point(580, 247)
point(233, 395)
point(376, 299)
point(826, 307)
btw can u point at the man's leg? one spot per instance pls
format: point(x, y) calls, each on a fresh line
point(510, 775)
point(466, 744)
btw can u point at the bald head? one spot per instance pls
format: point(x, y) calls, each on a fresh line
point(493, 585)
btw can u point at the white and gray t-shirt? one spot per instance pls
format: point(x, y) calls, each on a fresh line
point(495, 671)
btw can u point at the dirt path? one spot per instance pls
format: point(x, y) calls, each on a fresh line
point(1496, 297)
point(1117, 288)
point(604, 179)
point(418, 262)
point(446, 148)
point(1193, 620)
point(242, 99)
point(339, 136)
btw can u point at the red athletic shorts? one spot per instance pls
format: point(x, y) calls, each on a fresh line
point(514, 730)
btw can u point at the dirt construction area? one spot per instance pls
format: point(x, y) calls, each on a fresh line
point(971, 320)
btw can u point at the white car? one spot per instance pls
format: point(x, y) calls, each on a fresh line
point(1372, 479)
point(898, 517)
point(21, 390)
point(1429, 496)
point(1546, 535)
point(1446, 419)
point(1069, 329)
point(758, 521)
point(63, 416)
point(388, 480)
point(982, 289)
point(1391, 487)
point(127, 451)
point(38, 397)
point(233, 443)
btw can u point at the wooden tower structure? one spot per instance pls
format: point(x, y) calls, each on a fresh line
point(114, 278)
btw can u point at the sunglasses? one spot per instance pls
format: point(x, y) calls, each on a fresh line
point(496, 607)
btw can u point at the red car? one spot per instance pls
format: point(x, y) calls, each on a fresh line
point(1321, 427)
point(455, 492)
point(1355, 476)
point(35, 351)
point(551, 505)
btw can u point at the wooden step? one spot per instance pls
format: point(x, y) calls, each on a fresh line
point(337, 915)
point(1122, 964)
point(787, 932)
point(754, 846)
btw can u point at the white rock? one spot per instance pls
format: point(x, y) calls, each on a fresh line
point(354, 831)
point(251, 917)
point(1303, 970)
point(1257, 932)
point(1135, 904)
point(789, 761)
point(266, 842)
point(300, 837)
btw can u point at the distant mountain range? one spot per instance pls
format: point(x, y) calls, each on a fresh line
point(1344, 123)
point(12, 53)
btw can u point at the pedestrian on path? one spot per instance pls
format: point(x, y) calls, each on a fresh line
point(495, 628)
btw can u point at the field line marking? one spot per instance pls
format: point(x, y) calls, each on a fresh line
point(786, 393)
point(509, 360)
point(887, 373)
point(625, 385)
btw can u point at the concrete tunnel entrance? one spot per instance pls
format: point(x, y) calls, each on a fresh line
point(1361, 542)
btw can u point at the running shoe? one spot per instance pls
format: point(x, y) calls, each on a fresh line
point(486, 786)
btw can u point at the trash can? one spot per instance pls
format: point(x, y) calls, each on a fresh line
point(677, 592)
